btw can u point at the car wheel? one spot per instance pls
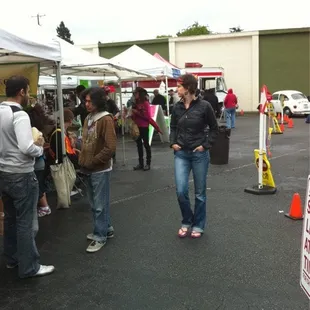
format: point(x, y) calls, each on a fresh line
point(287, 111)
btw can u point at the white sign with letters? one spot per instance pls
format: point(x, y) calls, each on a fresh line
point(305, 246)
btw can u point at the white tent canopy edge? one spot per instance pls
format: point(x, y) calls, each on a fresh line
point(21, 44)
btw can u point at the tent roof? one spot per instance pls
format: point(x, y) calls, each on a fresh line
point(143, 61)
point(168, 63)
point(34, 44)
point(21, 44)
point(76, 61)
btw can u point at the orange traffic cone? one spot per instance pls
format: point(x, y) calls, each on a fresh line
point(295, 212)
point(282, 127)
point(290, 123)
point(285, 118)
point(279, 116)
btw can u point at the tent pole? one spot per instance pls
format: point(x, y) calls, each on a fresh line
point(123, 122)
point(60, 106)
point(167, 100)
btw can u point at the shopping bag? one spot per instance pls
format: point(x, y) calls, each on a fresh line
point(64, 177)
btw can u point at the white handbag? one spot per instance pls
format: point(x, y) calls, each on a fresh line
point(64, 177)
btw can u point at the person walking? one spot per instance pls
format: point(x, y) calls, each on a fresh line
point(231, 104)
point(141, 115)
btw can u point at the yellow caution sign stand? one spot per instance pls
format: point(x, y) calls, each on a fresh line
point(266, 185)
point(272, 115)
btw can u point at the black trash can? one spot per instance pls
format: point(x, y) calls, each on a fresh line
point(219, 152)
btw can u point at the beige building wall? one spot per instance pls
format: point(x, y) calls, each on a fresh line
point(92, 48)
point(237, 53)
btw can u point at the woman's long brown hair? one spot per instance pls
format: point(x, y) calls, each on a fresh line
point(39, 119)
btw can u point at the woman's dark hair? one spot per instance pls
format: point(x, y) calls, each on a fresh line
point(97, 96)
point(79, 89)
point(142, 94)
point(15, 84)
point(72, 96)
point(189, 82)
point(38, 117)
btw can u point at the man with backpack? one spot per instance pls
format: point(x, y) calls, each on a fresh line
point(18, 183)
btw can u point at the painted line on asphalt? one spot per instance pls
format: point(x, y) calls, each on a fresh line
point(191, 180)
point(142, 194)
point(236, 168)
point(272, 158)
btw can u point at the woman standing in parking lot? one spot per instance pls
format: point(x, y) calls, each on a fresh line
point(191, 146)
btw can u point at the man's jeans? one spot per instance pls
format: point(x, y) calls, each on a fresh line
point(198, 162)
point(98, 192)
point(20, 194)
point(230, 117)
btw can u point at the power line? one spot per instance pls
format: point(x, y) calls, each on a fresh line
point(38, 16)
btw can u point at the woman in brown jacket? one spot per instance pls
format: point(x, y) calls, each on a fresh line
point(98, 147)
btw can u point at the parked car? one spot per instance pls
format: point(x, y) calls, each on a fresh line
point(294, 102)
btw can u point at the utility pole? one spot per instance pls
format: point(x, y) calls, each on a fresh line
point(38, 16)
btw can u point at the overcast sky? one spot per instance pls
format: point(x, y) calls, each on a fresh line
point(122, 20)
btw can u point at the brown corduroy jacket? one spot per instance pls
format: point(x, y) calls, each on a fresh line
point(98, 142)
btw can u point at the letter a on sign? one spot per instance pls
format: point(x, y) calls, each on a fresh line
point(305, 256)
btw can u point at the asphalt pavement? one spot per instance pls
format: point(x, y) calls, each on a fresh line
point(249, 257)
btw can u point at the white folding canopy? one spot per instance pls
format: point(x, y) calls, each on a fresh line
point(34, 44)
point(30, 45)
point(22, 46)
point(141, 60)
point(76, 61)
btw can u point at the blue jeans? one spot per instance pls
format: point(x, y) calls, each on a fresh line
point(20, 192)
point(98, 192)
point(198, 162)
point(230, 117)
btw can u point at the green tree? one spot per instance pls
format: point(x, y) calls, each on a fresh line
point(194, 30)
point(235, 29)
point(64, 33)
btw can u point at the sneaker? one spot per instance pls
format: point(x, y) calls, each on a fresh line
point(11, 266)
point(146, 167)
point(73, 193)
point(44, 271)
point(95, 246)
point(138, 167)
point(43, 211)
point(109, 236)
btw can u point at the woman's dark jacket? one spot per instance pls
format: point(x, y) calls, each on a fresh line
point(188, 127)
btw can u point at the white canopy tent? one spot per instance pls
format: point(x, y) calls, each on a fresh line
point(32, 44)
point(25, 47)
point(141, 60)
point(76, 61)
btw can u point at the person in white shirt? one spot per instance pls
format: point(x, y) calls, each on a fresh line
point(173, 99)
point(18, 183)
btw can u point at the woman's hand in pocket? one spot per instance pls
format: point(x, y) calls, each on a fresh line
point(176, 147)
point(199, 149)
